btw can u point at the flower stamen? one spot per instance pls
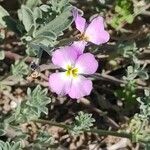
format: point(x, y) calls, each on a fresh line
point(82, 37)
point(71, 71)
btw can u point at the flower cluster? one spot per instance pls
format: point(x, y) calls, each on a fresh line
point(75, 63)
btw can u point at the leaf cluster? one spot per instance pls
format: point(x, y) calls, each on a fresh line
point(42, 25)
point(32, 107)
point(39, 25)
point(123, 13)
point(83, 121)
point(128, 90)
point(140, 124)
point(127, 49)
point(2, 54)
point(10, 146)
point(19, 69)
point(43, 140)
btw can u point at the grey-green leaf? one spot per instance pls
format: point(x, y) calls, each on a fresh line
point(32, 3)
point(48, 34)
point(2, 132)
point(44, 8)
point(59, 24)
point(2, 55)
point(3, 13)
point(16, 146)
point(37, 13)
point(27, 18)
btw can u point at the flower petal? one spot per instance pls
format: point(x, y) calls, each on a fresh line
point(80, 22)
point(64, 56)
point(95, 31)
point(59, 83)
point(80, 87)
point(79, 46)
point(86, 64)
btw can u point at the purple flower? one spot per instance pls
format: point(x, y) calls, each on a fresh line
point(72, 81)
point(93, 32)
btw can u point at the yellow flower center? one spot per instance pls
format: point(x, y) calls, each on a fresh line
point(83, 37)
point(71, 71)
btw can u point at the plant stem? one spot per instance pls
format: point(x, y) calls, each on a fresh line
point(52, 123)
point(97, 131)
point(113, 133)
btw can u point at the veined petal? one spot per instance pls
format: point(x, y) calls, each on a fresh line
point(59, 83)
point(65, 56)
point(79, 46)
point(96, 33)
point(80, 22)
point(80, 87)
point(86, 64)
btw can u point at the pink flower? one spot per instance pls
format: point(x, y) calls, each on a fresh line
point(93, 32)
point(72, 81)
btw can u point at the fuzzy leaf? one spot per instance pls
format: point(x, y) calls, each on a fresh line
point(59, 24)
point(32, 3)
point(19, 69)
point(10, 146)
point(30, 51)
point(82, 121)
point(3, 13)
point(59, 5)
point(2, 132)
point(2, 55)
point(44, 8)
point(27, 18)
point(48, 34)
point(34, 105)
point(37, 13)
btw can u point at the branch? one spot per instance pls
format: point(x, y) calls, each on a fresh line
point(97, 131)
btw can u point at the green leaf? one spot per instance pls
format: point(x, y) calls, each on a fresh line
point(147, 93)
point(10, 146)
point(16, 146)
point(127, 49)
point(19, 69)
point(30, 51)
point(83, 121)
point(143, 75)
point(37, 13)
point(27, 18)
point(117, 9)
point(38, 97)
point(3, 13)
point(2, 55)
point(33, 106)
point(2, 132)
point(124, 11)
point(59, 5)
point(32, 3)
point(43, 141)
point(36, 46)
point(2, 36)
point(57, 25)
point(48, 34)
point(44, 8)
point(130, 18)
